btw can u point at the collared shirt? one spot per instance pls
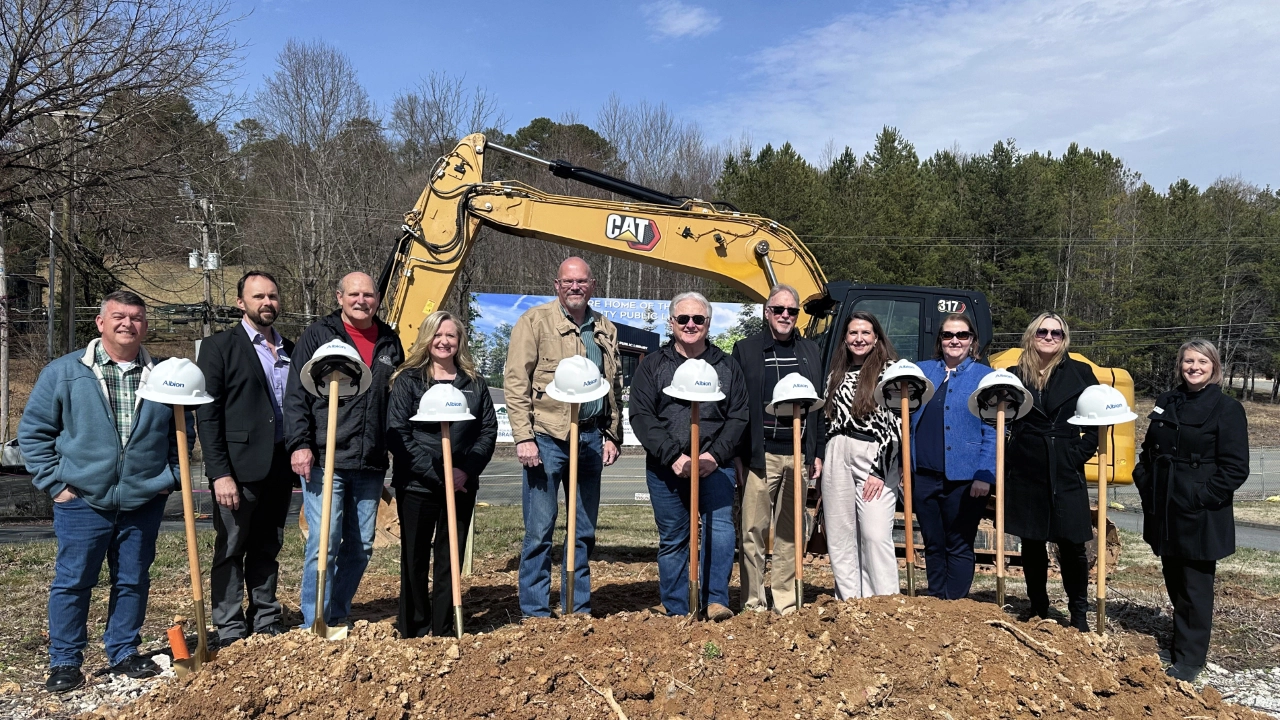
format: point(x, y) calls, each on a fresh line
point(275, 368)
point(587, 330)
point(122, 381)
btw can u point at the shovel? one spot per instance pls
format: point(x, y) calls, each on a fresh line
point(1103, 433)
point(797, 471)
point(571, 541)
point(906, 490)
point(320, 627)
point(1000, 502)
point(451, 508)
point(695, 593)
point(203, 654)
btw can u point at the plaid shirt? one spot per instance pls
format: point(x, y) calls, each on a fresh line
point(122, 389)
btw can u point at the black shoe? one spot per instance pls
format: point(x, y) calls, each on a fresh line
point(218, 642)
point(1080, 621)
point(272, 630)
point(64, 679)
point(136, 667)
point(1183, 671)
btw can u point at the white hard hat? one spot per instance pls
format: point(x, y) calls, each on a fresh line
point(794, 388)
point(889, 389)
point(695, 381)
point(1102, 405)
point(336, 356)
point(442, 402)
point(176, 381)
point(577, 381)
point(997, 385)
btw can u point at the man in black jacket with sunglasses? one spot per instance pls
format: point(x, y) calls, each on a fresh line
point(765, 456)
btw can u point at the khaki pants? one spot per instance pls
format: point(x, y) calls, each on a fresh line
point(859, 532)
point(767, 501)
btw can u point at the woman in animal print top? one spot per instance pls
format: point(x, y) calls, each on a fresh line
point(863, 467)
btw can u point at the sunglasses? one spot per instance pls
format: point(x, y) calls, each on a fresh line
point(697, 319)
point(962, 335)
point(1043, 333)
point(784, 310)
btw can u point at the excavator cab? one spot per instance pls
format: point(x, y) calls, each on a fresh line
point(911, 316)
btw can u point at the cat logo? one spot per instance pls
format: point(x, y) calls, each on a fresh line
point(639, 233)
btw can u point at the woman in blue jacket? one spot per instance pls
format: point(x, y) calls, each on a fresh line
point(955, 460)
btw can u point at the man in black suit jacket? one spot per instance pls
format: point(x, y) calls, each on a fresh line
point(242, 438)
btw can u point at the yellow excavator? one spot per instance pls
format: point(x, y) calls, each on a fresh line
point(713, 240)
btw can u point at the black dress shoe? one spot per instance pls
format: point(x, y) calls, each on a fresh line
point(1080, 621)
point(136, 667)
point(272, 630)
point(219, 642)
point(1183, 671)
point(64, 679)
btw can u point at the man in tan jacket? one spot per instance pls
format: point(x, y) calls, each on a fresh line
point(541, 338)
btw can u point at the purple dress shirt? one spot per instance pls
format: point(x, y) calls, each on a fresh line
point(275, 369)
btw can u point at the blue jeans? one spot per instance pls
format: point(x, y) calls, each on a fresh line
point(541, 505)
point(948, 519)
point(126, 539)
point(669, 496)
point(352, 524)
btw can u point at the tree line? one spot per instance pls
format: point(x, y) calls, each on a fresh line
point(314, 179)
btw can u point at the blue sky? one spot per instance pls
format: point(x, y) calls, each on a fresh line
point(1174, 87)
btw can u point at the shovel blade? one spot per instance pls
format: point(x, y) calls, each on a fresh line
point(328, 633)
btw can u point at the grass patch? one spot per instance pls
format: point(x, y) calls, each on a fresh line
point(1267, 513)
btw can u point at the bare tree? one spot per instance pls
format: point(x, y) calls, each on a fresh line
point(84, 79)
point(430, 119)
point(310, 107)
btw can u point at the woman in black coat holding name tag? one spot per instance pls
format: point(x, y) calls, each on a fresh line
point(1194, 458)
point(1046, 499)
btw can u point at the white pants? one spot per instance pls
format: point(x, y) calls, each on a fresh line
point(859, 532)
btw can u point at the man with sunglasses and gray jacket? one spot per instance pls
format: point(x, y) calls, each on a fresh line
point(764, 469)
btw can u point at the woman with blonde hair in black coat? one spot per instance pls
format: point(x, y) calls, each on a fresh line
point(1046, 499)
point(1194, 457)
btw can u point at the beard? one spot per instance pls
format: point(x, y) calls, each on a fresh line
point(263, 317)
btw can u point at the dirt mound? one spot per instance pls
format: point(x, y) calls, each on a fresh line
point(890, 657)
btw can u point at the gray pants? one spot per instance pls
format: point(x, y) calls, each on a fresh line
point(247, 541)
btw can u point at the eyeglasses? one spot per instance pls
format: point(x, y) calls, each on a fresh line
point(697, 319)
point(962, 335)
point(1043, 333)
point(784, 310)
point(575, 283)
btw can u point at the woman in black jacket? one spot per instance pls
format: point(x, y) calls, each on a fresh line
point(1194, 458)
point(439, 356)
point(1045, 497)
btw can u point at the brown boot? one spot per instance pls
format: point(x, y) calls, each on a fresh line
point(718, 613)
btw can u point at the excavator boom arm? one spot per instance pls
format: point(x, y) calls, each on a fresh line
point(747, 252)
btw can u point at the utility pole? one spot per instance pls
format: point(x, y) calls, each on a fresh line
point(53, 274)
point(4, 335)
point(205, 260)
point(68, 277)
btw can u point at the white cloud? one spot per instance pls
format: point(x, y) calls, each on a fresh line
point(674, 19)
point(1174, 87)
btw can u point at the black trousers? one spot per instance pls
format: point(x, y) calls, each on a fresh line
point(426, 597)
point(246, 543)
point(948, 518)
point(1190, 586)
point(1075, 575)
